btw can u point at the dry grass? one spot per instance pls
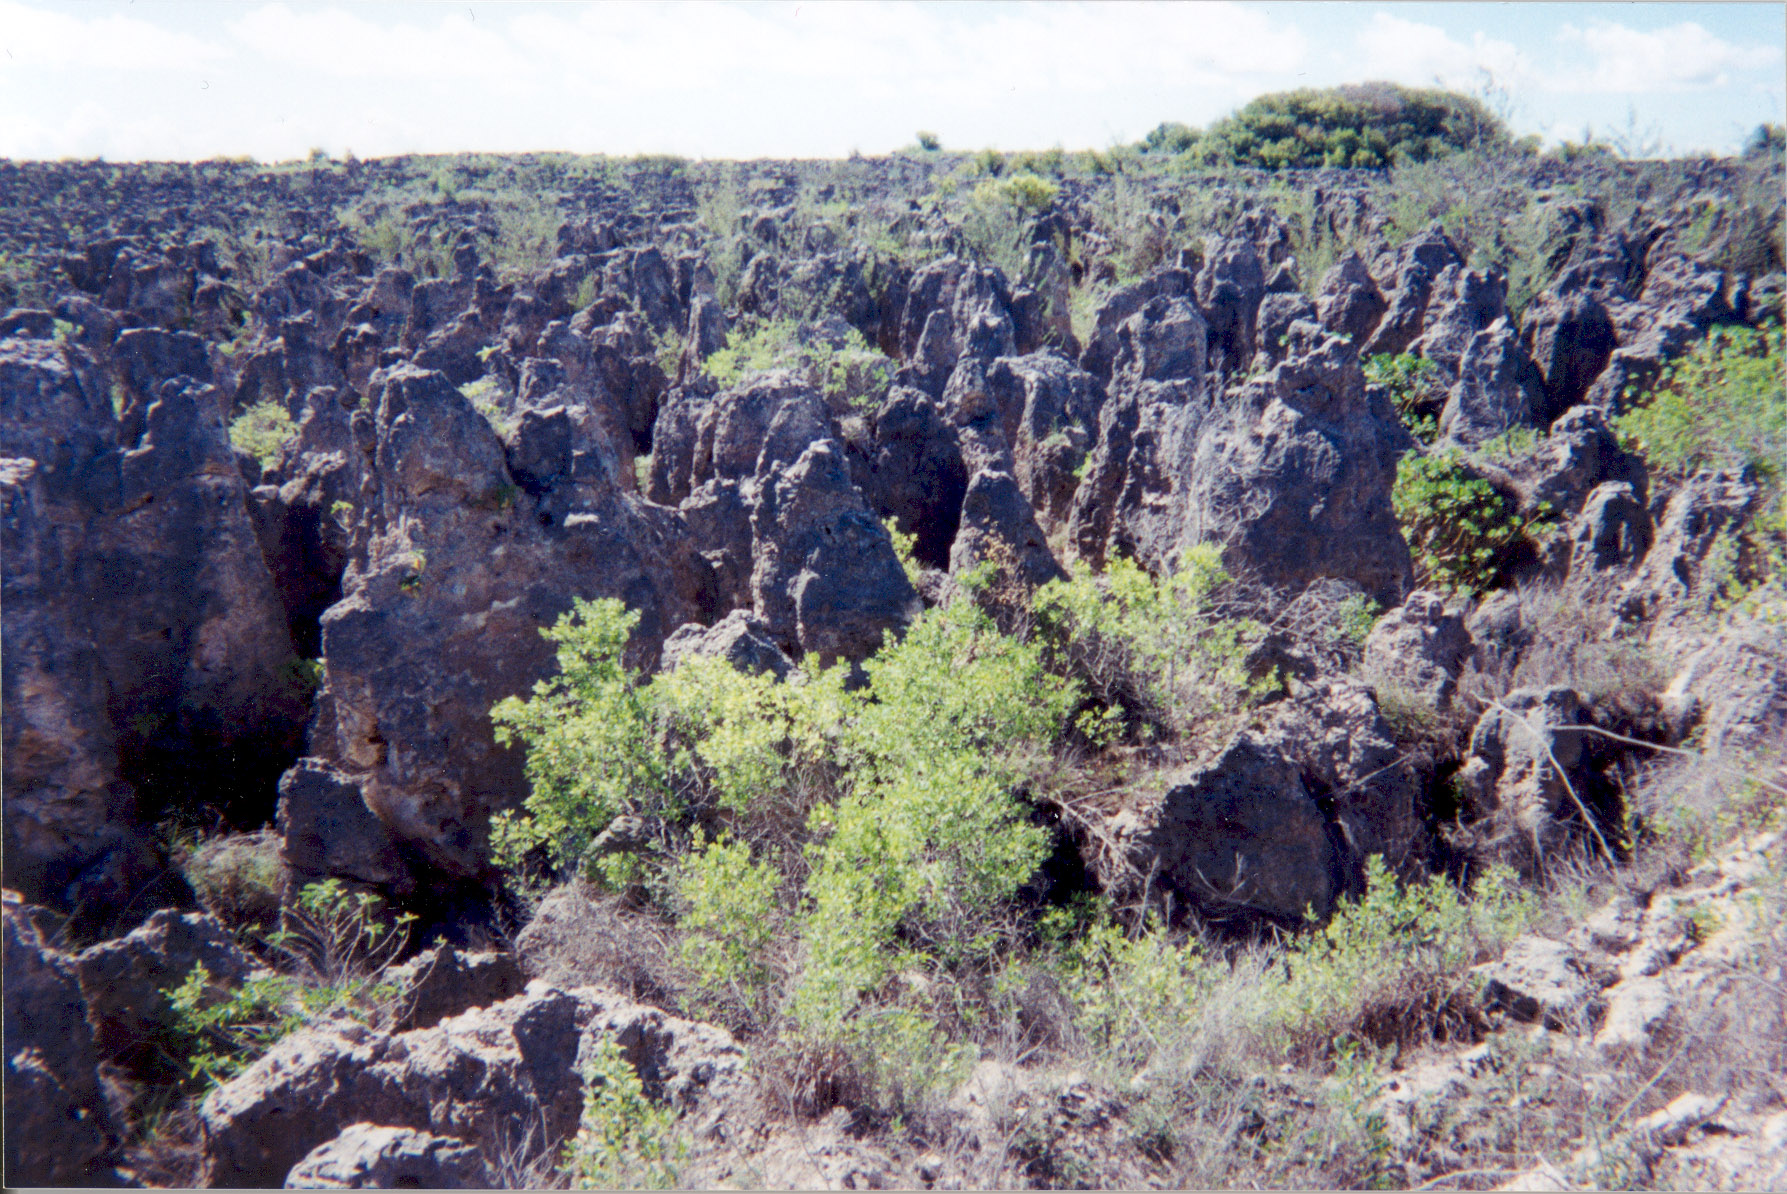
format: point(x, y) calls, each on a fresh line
point(580, 937)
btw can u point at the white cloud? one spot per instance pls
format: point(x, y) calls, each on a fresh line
point(38, 37)
point(1678, 58)
point(1403, 51)
point(332, 41)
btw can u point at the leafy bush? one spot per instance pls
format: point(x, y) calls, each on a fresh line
point(335, 948)
point(929, 141)
point(1417, 389)
point(997, 216)
point(729, 922)
point(220, 1033)
point(1132, 996)
point(1723, 405)
point(1393, 960)
point(896, 805)
point(1368, 124)
point(262, 431)
point(1459, 529)
point(851, 370)
point(624, 1141)
point(1159, 646)
point(592, 744)
point(1169, 137)
point(930, 840)
point(339, 938)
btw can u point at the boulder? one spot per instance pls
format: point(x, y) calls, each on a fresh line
point(1295, 480)
point(738, 638)
point(1570, 336)
point(1498, 389)
point(1413, 270)
point(1238, 835)
point(825, 578)
point(1420, 646)
point(328, 832)
point(475, 1076)
point(917, 477)
point(954, 309)
point(767, 493)
point(144, 634)
point(444, 981)
point(1048, 414)
point(1671, 583)
point(1348, 302)
point(1463, 303)
point(1363, 781)
point(440, 617)
point(1120, 306)
point(1608, 538)
point(998, 525)
point(1527, 786)
point(1277, 313)
point(1538, 980)
point(124, 982)
point(369, 1157)
point(1731, 693)
point(1291, 472)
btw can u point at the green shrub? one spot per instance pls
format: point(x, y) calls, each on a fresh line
point(1459, 529)
point(262, 431)
point(1169, 137)
point(1368, 124)
point(335, 948)
point(729, 922)
point(853, 371)
point(1723, 405)
point(219, 1033)
point(1132, 997)
point(624, 1141)
point(929, 141)
point(930, 840)
point(593, 751)
point(895, 807)
point(1417, 389)
point(1160, 643)
point(1395, 958)
point(997, 216)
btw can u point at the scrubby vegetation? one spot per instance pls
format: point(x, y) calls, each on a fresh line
point(1363, 125)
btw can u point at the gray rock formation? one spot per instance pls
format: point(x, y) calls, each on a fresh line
point(59, 1130)
point(476, 1077)
point(370, 1157)
point(1421, 646)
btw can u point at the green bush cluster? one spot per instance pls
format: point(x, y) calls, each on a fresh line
point(1361, 125)
point(262, 431)
point(1161, 647)
point(334, 950)
point(1417, 389)
point(1722, 405)
point(889, 813)
point(853, 371)
point(1401, 951)
point(624, 1140)
point(997, 215)
point(1459, 529)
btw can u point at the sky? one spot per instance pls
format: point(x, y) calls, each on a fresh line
point(183, 80)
